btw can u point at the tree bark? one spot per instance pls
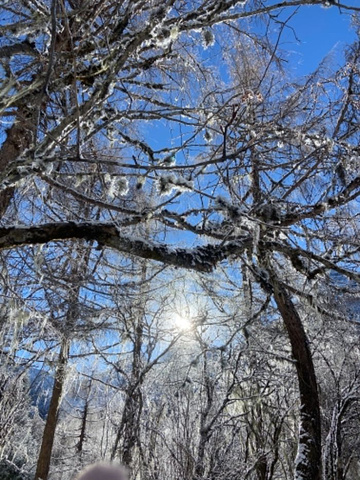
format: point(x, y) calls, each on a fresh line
point(129, 429)
point(43, 463)
point(308, 459)
point(203, 258)
point(84, 418)
point(18, 139)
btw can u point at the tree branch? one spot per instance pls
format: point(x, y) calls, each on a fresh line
point(202, 258)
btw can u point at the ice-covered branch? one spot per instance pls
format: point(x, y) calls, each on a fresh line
point(202, 258)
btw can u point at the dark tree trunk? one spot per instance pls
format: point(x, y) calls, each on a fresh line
point(84, 417)
point(18, 139)
point(308, 460)
point(128, 434)
point(43, 463)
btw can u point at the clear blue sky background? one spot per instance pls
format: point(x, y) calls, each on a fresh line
point(320, 31)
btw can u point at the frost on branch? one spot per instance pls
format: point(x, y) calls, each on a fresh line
point(301, 467)
point(169, 161)
point(169, 182)
point(269, 212)
point(208, 136)
point(208, 38)
point(232, 211)
point(117, 186)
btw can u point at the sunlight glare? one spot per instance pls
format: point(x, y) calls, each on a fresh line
point(182, 321)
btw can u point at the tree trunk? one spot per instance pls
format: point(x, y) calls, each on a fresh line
point(308, 459)
point(43, 463)
point(333, 460)
point(128, 435)
point(129, 429)
point(84, 418)
point(18, 139)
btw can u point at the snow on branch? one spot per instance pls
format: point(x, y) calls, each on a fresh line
point(169, 182)
point(349, 193)
point(202, 258)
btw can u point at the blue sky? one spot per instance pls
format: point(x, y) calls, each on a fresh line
point(320, 31)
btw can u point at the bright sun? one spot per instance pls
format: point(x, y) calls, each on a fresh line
point(182, 321)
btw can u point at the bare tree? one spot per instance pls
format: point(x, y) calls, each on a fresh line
point(262, 172)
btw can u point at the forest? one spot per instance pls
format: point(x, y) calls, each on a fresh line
point(179, 249)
